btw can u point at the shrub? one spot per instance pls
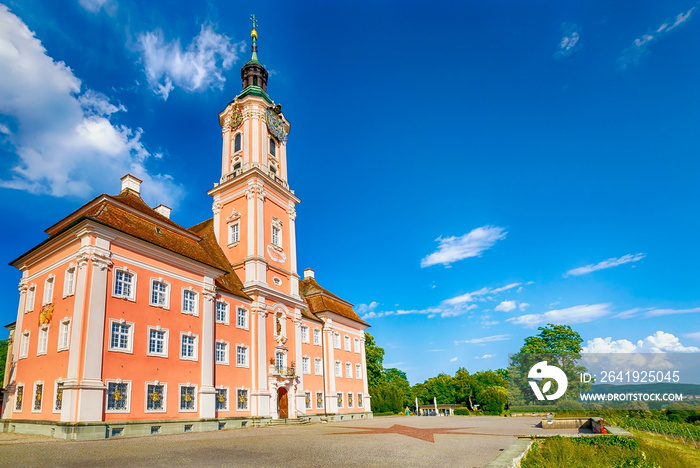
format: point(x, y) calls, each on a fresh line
point(462, 411)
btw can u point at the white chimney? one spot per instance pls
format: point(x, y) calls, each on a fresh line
point(131, 182)
point(164, 210)
point(308, 273)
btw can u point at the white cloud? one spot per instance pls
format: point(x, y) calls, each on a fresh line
point(570, 42)
point(640, 46)
point(485, 339)
point(485, 356)
point(693, 336)
point(609, 263)
point(366, 308)
point(576, 314)
point(65, 140)
point(452, 249)
point(522, 306)
point(659, 342)
point(662, 312)
point(196, 68)
point(435, 350)
point(475, 295)
point(95, 6)
point(454, 359)
point(505, 306)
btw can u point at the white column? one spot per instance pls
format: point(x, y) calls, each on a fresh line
point(207, 392)
point(299, 401)
point(226, 149)
point(91, 388)
point(250, 215)
point(331, 400)
point(255, 363)
point(9, 392)
point(216, 210)
point(255, 134)
point(294, 280)
point(263, 394)
point(261, 267)
point(366, 396)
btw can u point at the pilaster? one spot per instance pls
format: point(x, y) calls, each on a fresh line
point(207, 392)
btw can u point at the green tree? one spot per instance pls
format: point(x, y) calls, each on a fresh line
point(397, 379)
point(464, 388)
point(3, 357)
point(493, 399)
point(375, 357)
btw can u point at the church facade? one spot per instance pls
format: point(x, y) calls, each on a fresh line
point(129, 323)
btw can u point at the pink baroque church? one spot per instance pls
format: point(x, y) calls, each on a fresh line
point(130, 324)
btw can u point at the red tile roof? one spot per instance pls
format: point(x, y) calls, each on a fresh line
point(322, 300)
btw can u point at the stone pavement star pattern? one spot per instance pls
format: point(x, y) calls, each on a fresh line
point(427, 433)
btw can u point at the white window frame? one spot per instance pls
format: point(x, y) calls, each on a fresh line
point(228, 399)
point(194, 312)
point(132, 293)
point(195, 346)
point(24, 344)
point(276, 233)
point(358, 350)
point(308, 402)
point(49, 284)
point(339, 399)
point(348, 370)
point(56, 387)
point(227, 309)
point(306, 365)
point(358, 371)
point(246, 364)
point(165, 304)
point(234, 233)
point(128, 396)
point(359, 400)
point(245, 318)
point(43, 393)
point(226, 349)
point(31, 298)
point(336, 340)
point(247, 402)
point(130, 336)
point(21, 402)
point(42, 343)
point(194, 397)
point(338, 369)
point(318, 366)
point(317, 336)
point(166, 340)
point(69, 281)
point(147, 397)
point(304, 334)
point(63, 335)
point(351, 400)
point(322, 400)
point(346, 342)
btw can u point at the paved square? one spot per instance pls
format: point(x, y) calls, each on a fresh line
point(378, 442)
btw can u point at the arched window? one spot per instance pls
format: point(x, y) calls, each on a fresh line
point(273, 147)
point(255, 81)
point(237, 143)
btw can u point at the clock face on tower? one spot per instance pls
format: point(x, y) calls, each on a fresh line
point(276, 125)
point(236, 118)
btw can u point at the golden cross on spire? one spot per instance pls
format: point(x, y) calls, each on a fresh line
point(254, 21)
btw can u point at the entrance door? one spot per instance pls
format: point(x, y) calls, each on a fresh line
point(282, 403)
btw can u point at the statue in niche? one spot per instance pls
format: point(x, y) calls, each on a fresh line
point(278, 325)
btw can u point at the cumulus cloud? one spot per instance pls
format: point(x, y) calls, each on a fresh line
point(505, 306)
point(65, 139)
point(484, 339)
point(576, 314)
point(196, 68)
point(570, 41)
point(605, 264)
point(640, 46)
point(454, 359)
point(659, 342)
point(366, 308)
point(472, 244)
point(485, 356)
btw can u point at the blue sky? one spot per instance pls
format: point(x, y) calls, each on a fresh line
point(468, 171)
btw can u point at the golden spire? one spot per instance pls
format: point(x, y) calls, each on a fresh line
point(254, 37)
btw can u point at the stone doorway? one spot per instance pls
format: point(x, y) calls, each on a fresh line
point(282, 403)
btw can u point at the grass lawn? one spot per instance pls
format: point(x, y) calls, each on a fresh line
point(642, 451)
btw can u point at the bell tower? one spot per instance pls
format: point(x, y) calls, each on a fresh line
point(254, 210)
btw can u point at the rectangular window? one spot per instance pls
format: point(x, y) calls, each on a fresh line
point(24, 345)
point(188, 350)
point(58, 399)
point(318, 369)
point(43, 344)
point(48, 290)
point(306, 365)
point(157, 342)
point(307, 399)
point(222, 399)
point(350, 402)
point(189, 302)
point(31, 296)
point(279, 361)
point(234, 233)
point(69, 282)
point(221, 353)
point(304, 334)
point(188, 395)
point(38, 396)
point(336, 341)
point(347, 343)
point(120, 337)
point(241, 356)
point(348, 370)
point(159, 294)
point(338, 369)
point(317, 337)
point(118, 396)
point(241, 399)
point(359, 400)
point(276, 240)
point(19, 396)
point(358, 371)
point(241, 318)
point(221, 312)
point(155, 397)
point(340, 399)
point(123, 284)
point(64, 335)
point(357, 346)
point(319, 400)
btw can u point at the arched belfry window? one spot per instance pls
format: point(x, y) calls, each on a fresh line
point(273, 147)
point(237, 143)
